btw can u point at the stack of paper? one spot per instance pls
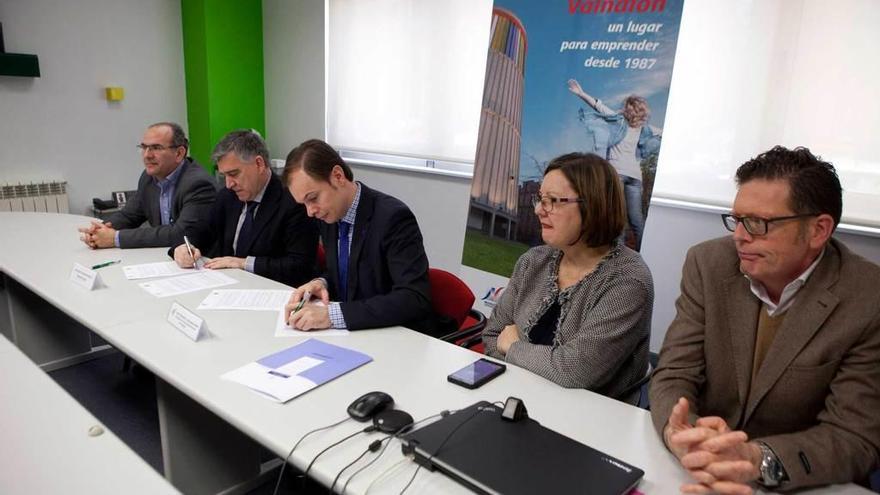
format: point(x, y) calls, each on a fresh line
point(246, 299)
point(202, 279)
point(152, 270)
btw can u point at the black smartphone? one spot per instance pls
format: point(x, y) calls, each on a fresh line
point(477, 373)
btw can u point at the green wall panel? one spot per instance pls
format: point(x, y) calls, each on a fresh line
point(223, 63)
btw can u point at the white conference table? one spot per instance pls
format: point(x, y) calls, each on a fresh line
point(211, 427)
point(47, 445)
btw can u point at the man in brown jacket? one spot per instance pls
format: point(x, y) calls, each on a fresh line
point(770, 372)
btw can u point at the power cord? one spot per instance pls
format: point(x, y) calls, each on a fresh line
point(441, 414)
point(374, 446)
point(305, 435)
point(385, 473)
point(305, 475)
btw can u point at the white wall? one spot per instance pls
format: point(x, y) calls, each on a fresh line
point(293, 56)
point(59, 126)
point(440, 204)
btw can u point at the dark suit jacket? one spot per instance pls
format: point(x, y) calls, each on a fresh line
point(816, 399)
point(388, 269)
point(190, 206)
point(285, 238)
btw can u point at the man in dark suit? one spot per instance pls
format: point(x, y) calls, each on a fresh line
point(377, 270)
point(770, 372)
point(174, 193)
point(255, 224)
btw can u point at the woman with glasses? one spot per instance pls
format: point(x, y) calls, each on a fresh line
point(577, 310)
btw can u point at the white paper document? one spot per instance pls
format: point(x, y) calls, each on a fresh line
point(282, 329)
point(203, 279)
point(246, 299)
point(152, 270)
point(270, 383)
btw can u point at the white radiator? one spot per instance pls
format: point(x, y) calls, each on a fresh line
point(44, 196)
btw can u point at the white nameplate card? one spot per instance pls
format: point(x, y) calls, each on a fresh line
point(85, 277)
point(189, 323)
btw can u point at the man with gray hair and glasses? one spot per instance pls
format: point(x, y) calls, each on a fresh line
point(255, 224)
point(770, 372)
point(173, 194)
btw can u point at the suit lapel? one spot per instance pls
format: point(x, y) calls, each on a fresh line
point(742, 321)
point(177, 199)
point(361, 227)
point(155, 215)
point(813, 304)
point(231, 223)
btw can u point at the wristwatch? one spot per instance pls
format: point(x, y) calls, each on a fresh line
point(772, 472)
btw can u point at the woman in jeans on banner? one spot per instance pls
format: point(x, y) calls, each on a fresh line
point(625, 139)
point(577, 310)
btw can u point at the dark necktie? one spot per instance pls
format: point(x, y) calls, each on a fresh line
point(343, 259)
point(246, 233)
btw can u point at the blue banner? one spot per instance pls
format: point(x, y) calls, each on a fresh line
point(564, 76)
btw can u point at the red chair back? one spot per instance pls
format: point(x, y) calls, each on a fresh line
point(450, 296)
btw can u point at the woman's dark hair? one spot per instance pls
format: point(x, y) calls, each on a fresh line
point(603, 210)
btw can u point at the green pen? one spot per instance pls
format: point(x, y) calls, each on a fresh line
point(303, 301)
point(106, 263)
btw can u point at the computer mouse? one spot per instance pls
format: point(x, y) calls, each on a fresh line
point(369, 404)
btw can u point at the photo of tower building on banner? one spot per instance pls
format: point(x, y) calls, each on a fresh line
point(566, 76)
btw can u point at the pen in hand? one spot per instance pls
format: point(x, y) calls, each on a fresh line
point(302, 302)
point(191, 255)
point(106, 263)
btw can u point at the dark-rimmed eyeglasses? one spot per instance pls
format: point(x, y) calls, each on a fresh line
point(155, 147)
point(548, 202)
point(757, 225)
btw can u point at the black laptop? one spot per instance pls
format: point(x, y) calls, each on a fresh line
point(488, 454)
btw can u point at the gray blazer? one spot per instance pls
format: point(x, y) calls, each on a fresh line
point(601, 341)
point(816, 401)
point(191, 205)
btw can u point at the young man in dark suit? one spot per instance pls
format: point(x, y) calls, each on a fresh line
point(255, 224)
point(377, 270)
point(174, 193)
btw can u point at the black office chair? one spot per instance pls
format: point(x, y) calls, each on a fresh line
point(643, 383)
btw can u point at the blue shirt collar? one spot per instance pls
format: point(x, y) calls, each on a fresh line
point(172, 177)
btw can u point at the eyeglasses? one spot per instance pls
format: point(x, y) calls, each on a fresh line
point(548, 202)
point(757, 225)
point(156, 147)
